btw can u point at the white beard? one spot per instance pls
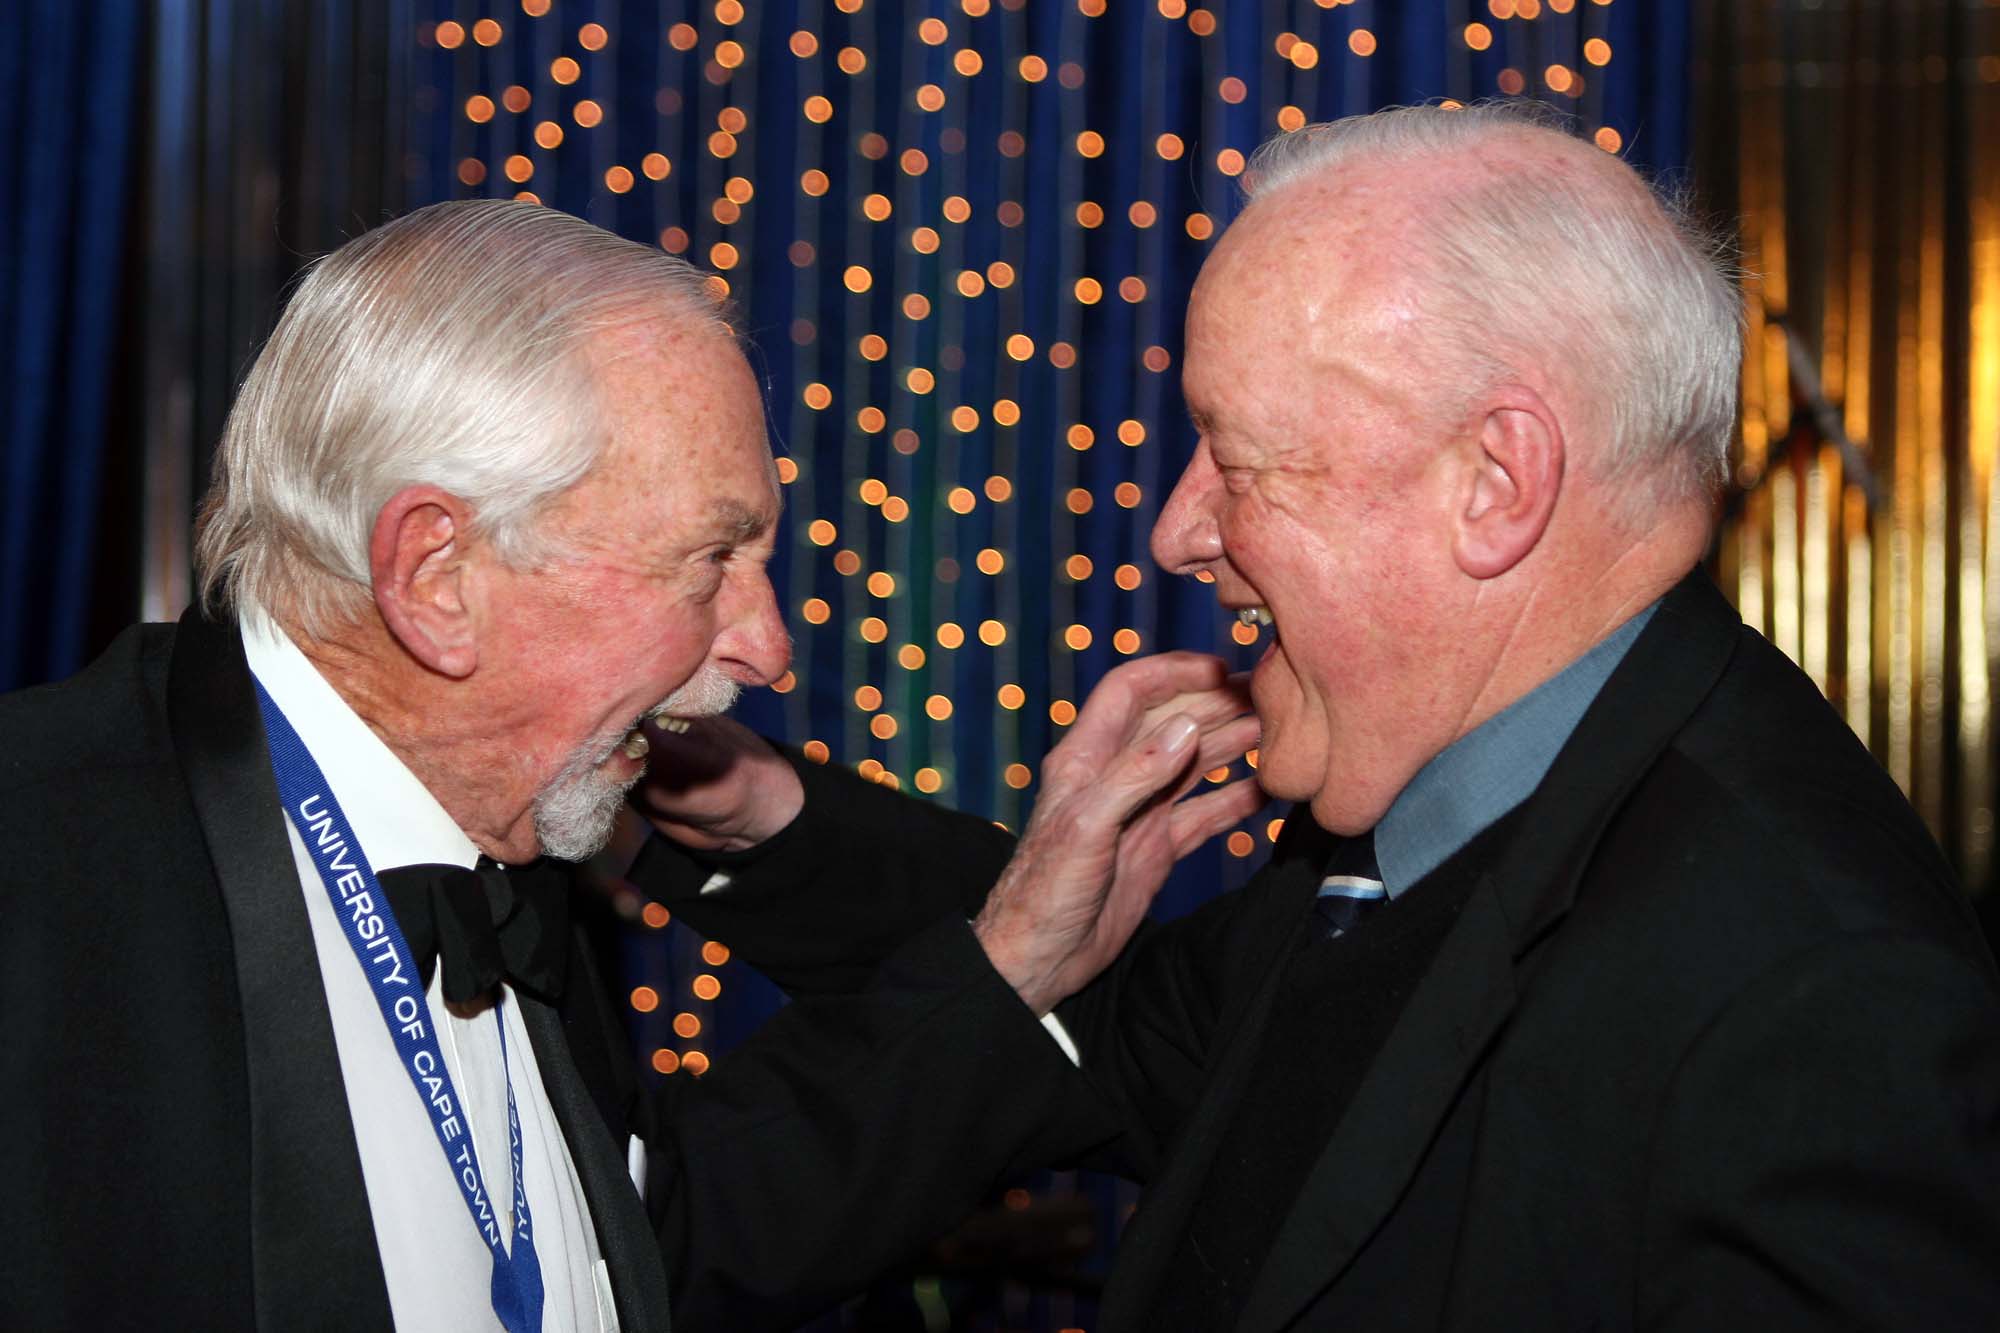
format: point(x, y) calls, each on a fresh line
point(575, 809)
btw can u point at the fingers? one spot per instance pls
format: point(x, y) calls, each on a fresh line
point(1154, 679)
point(1117, 707)
point(1199, 818)
point(1225, 699)
point(1152, 765)
point(1220, 746)
point(1211, 707)
point(1137, 696)
point(716, 785)
point(1227, 742)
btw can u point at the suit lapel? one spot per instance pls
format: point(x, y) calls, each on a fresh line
point(1284, 890)
point(1646, 703)
point(314, 1258)
point(631, 1251)
point(1527, 869)
point(1383, 1134)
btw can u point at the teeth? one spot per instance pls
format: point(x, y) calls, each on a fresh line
point(666, 721)
point(1253, 615)
point(637, 746)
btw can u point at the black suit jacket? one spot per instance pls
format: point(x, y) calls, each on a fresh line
point(1712, 1043)
point(174, 1136)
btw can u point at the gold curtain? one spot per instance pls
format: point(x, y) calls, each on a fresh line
point(1858, 143)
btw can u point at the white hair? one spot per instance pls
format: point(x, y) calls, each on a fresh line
point(444, 348)
point(1572, 264)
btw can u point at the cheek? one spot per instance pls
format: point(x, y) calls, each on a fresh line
point(682, 637)
point(1296, 737)
point(1251, 542)
point(1291, 571)
point(1304, 679)
point(625, 660)
point(1289, 537)
point(680, 664)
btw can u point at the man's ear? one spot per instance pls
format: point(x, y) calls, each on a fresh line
point(1509, 483)
point(416, 557)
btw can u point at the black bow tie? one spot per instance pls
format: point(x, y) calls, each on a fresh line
point(488, 924)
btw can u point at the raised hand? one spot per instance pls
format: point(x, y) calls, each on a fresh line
point(1109, 823)
point(716, 787)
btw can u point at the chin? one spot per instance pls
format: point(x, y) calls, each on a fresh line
point(574, 810)
point(1279, 786)
point(1310, 780)
point(1281, 771)
point(1349, 806)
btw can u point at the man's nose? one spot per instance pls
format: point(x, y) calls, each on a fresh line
point(755, 648)
point(1185, 537)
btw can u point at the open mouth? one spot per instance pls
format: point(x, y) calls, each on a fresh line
point(635, 746)
point(1256, 618)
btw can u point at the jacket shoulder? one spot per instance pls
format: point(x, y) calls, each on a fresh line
point(1769, 798)
point(1762, 833)
point(112, 714)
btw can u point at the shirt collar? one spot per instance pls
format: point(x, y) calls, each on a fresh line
point(1492, 768)
point(394, 816)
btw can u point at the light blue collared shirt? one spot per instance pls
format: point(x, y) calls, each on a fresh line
point(1491, 769)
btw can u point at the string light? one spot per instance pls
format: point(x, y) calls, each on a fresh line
point(967, 548)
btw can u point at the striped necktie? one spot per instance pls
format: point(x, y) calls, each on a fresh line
point(1352, 887)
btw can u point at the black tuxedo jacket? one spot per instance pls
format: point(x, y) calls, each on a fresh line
point(175, 1148)
point(1712, 1043)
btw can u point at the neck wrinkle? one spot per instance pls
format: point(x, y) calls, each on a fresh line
point(1587, 594)
point(408, 709)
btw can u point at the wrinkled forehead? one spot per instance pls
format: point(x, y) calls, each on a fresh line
point(683, 417)
point(1310, 277)
point(675, 383)
point(661, 347)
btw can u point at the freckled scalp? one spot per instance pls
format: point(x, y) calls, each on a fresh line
point(1308, 302)
point(1544, 255)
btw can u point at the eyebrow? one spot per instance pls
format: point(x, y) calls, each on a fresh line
point(741, 522)
point(1203, 423)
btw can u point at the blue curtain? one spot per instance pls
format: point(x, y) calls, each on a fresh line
point(961, 238)
point(69, 99)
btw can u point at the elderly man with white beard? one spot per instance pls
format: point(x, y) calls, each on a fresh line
point(301, 1033)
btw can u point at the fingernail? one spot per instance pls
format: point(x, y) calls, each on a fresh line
point(1177, 733)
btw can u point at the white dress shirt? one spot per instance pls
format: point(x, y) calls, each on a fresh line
point(437, 1266)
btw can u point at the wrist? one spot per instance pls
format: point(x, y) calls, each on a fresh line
point(729, 838)
point(755, 802)
point(1012, 952)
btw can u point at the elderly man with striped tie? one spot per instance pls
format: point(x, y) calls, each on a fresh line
point(1600, 978)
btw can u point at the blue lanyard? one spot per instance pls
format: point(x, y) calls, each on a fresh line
point(384, 956)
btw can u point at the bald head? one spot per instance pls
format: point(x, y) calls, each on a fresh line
point(1515, 250)
point(1452, 432)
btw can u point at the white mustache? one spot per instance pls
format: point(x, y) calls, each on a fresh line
point(707, 693)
